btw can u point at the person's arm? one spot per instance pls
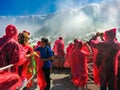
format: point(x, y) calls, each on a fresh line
point(46, 59)
point(37, 49)
point(29, 54)
point(96, 44)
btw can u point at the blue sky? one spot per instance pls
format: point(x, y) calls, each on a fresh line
point(33, 7)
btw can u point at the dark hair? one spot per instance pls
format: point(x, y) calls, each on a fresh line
point(61, 38)
point(75, 40)
point(22, 38)
point(44, 40)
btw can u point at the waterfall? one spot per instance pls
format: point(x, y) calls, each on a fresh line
point(71, 23)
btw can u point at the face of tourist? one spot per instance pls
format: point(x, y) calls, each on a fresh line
point(11, 32)
point(26, 40)
point(43, 44)
point(79, 45)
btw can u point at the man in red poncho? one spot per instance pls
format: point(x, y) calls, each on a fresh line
point(106, 59)
point(98, 37)
point(9, 54)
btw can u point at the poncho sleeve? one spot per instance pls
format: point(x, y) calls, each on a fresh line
point(11, 53)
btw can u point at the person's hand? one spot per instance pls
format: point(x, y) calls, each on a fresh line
point(35, 54)
point(97, 34)
point(43, 59)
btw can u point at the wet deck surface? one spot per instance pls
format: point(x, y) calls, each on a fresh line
point(61, 81)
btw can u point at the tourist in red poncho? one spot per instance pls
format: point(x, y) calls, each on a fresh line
point(25, 60)
point(9, 54)
point(59, 51)
point(106, 59)
point(69, 60)
point(79, 66)
point(98, 37)
point(68, 49)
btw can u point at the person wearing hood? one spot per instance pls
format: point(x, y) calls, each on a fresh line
point(68, 49)
point(69, 60)
point(106, 59)
point(59, 51)
point(9, 54)
point(79, 66)
point(9, 48)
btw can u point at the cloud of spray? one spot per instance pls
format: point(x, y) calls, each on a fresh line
point(72, 20)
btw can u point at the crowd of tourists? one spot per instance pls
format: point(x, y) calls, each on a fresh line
point(103, 50)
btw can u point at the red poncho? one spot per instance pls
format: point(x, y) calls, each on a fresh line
point(55, 46)
point(9, 81)
point(24, 61)
point(59, 48)
point(67, 61)
point(9, 54)
point(9, 48)
point(40, 74)
point(95, 68)
point(106, 58)
point(79, 67)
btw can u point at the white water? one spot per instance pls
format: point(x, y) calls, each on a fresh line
point(73, 22)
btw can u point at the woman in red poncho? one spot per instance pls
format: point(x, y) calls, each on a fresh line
point(106, 59)
point(68, 49)
point(59, 52)
point(69, 60)
point(9, 54)
point(79, 66)
point(25, 60)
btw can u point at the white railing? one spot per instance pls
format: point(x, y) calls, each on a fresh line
point(90, 73)
point(6, 67)
point(21, 88)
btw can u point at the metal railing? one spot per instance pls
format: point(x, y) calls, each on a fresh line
point(6, 67)
point(21, 88)
point(90, 73)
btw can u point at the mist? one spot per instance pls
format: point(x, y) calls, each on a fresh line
point(70, 21)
